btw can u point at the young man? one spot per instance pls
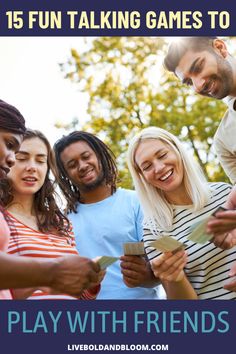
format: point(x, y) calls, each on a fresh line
point(71, 274)
point(103, 217)
point(205, 64)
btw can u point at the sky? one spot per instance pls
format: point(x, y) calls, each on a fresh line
point(31, 80)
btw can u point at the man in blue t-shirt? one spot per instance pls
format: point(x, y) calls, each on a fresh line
point(103, 217)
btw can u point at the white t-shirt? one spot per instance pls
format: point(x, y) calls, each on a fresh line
point(225, 140)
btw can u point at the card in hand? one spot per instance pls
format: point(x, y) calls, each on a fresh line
point(219, 209)
point(106, 261)
point(198, 234)
point(134, 249)
point(167, 244)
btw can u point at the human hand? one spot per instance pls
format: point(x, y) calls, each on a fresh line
point(225, 241)
point(169, 266)
point(136, 271)
point(72, 274)
point(232, 284)
point(222, 223)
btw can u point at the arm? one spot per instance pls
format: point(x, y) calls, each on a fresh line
point(137, 271)
point(168, 267)
point(226, 157)
point(222, 225)
point(70, 274)
point(232, 284)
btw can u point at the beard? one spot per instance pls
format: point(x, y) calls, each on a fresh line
point(224, 79)
point(92, 185)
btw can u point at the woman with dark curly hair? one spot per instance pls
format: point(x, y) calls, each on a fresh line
point(37, 226)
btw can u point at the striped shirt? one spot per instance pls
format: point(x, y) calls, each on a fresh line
point(207, 267)
point(4, 238)
point(27, 242)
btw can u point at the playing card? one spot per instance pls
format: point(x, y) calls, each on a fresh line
point(167, 244)
point(106, 261)
point(133, 249)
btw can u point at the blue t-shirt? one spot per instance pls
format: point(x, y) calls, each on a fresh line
point(101, 229)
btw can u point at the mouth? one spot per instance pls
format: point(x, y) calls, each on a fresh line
point(210, 88)
point(30, 179)
point(166, 175)
point(87, 173)
point(5, 170)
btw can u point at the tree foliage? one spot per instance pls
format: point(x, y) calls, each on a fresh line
point(129, 90)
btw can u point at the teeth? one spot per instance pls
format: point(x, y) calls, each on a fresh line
point(30, 179)
point(163, 178)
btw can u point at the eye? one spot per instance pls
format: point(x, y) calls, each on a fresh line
point(162, 155)
point(10, 145)
point(198, 67)
point(71, 165)
point(188, 82)
point(147, 167)
point(20, 157)
point(86, 156)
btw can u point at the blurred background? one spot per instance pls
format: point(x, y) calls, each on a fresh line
point(110, 86)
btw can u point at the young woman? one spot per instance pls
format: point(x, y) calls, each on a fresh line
point(37, 226)
point(174, 195)
point(70, 274)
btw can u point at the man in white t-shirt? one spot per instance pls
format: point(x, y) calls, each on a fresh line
point(206, 64)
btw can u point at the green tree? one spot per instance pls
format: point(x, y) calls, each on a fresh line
point(129, 90)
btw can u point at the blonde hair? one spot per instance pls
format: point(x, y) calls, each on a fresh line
point(158, 212)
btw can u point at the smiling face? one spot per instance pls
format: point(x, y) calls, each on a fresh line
point(9, 144)
point(29, 172)
point(82, 166)
point(208, 72)
point(161, 167)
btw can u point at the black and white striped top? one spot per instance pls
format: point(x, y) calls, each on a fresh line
point(208, 266)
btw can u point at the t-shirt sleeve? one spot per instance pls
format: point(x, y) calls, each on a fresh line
point(227, 159)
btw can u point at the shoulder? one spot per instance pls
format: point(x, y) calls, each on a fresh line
point(219, 188)
point(127, 194)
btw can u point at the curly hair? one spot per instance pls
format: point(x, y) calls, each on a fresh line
point(11, 119)
point(49, 217)
point(105, 157)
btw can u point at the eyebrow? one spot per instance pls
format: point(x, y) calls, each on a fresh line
point(156, 153)
point(191, 69)
point(25, 153)
point(74, 159)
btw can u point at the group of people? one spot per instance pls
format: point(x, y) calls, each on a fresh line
point(49, 253)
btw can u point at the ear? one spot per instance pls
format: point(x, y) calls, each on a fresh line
point(220, 47)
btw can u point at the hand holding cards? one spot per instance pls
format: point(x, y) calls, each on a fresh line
point(198, 230)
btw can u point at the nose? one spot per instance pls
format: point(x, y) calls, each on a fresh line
point(159, 166)
point(31, 166)
point(198, 83)
point(10, 160)
point(82, 165)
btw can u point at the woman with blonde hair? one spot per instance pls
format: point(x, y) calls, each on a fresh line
point(174, 195)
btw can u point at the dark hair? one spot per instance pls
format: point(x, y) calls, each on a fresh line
point(104, 155)
point(11, 119)
point(49, 217)
point(178, 48)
